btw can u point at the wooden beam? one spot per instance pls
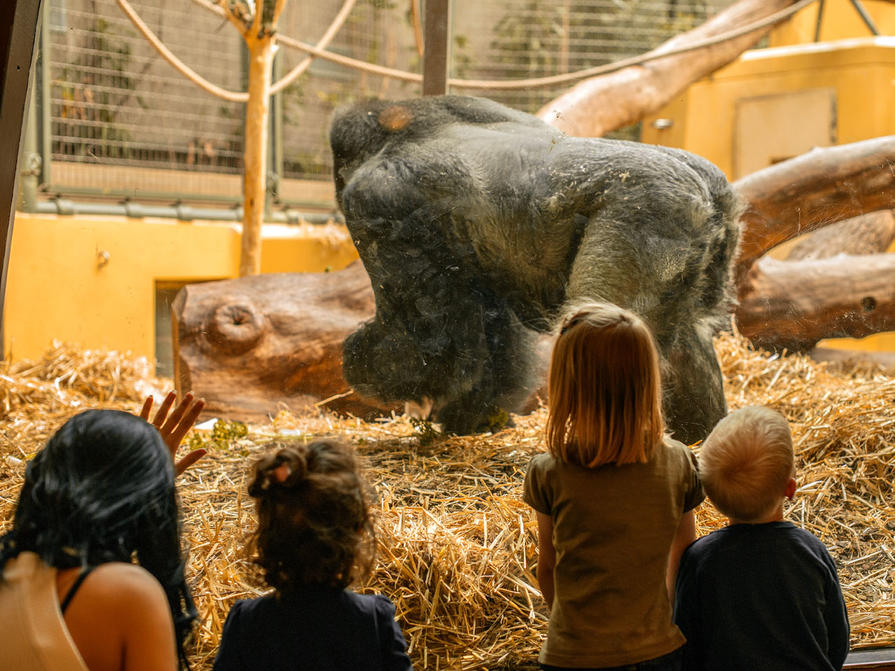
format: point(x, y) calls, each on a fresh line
point(18, 39)
point(437, 49)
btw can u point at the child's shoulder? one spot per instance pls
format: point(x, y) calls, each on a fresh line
point(311, 601)
point(542, 463)
point(675, 449)
point(754, 536)
point(379, 604)
point(799, 536)
point(676, 458)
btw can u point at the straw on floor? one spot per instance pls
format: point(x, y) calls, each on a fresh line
point(457, 547)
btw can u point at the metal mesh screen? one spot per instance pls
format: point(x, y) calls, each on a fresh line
point(115, 102)
point(519, 39)
point(377, 31)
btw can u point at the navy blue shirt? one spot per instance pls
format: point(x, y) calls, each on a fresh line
point(320, 629)
point(760, 597)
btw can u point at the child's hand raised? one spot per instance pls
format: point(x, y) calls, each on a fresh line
point(175, 427)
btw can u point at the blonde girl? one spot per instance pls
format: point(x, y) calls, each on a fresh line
point(614, 498)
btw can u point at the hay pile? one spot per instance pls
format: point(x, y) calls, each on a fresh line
point(457, 546)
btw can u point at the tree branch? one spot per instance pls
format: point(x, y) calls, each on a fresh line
point(277, 11)
point(257, 18)
point(225, 11)
point(809, 191)
point(596, 106)
point(330, 33)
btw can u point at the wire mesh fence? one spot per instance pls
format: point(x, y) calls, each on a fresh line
point(121, 120)
point(114, 101)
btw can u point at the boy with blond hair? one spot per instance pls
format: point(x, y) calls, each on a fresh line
point(760, 594)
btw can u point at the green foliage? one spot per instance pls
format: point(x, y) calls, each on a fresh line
point(498, 419)
point(523, 40)
point(381, 4)
point(427, 433)
point(523, 35)
point(223, 436)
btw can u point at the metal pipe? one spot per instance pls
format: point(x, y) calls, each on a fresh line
point(865, 16)
point(436, 46)
point(819, 22)
point(179, 211)
point(132, 195)
point(29, 171)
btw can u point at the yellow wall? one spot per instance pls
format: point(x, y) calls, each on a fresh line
point(58, 288)
point(860, 72)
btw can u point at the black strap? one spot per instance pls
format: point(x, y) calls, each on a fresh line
point(74, 588)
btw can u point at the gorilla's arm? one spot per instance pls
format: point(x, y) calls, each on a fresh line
point(440, 332)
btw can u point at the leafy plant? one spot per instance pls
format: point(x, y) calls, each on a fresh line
point(427, 433)
point(223, 436)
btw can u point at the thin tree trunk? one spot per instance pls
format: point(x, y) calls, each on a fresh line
point(261, 54)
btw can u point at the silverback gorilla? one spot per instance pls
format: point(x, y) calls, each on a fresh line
point(478, 224)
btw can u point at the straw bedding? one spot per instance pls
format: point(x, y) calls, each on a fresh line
point(457, 547)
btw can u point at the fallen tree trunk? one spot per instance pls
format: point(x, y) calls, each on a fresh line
point(253, 346)
point(260, 344)
point(818, 188)
point(794, 304)
point(607, 102)
point(256, 345)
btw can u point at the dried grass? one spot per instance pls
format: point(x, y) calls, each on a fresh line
point(457, 547)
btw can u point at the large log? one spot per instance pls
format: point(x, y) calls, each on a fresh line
point(812, 190)
point(794, 304)
point(259, 344)
point(852, 297)
point(607, 102)
point(255, 345)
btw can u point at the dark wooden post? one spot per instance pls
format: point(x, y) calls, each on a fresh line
point(437, 41)
point(18, 38)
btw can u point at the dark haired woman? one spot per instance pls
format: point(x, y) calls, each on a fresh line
point(314, 537)
point(92, 570)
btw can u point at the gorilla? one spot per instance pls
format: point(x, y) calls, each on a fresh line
point(479, 224)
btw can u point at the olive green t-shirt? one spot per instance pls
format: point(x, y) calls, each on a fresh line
point(612, 532)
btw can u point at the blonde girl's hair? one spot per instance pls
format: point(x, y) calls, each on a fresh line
point(605, 398)
point(746, 462)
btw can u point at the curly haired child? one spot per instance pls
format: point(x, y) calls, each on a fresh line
point(314, 537)
point(614, 499)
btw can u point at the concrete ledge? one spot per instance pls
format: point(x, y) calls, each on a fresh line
point(880, 659)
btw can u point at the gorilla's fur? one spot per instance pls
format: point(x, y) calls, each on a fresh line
point(477, 224)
